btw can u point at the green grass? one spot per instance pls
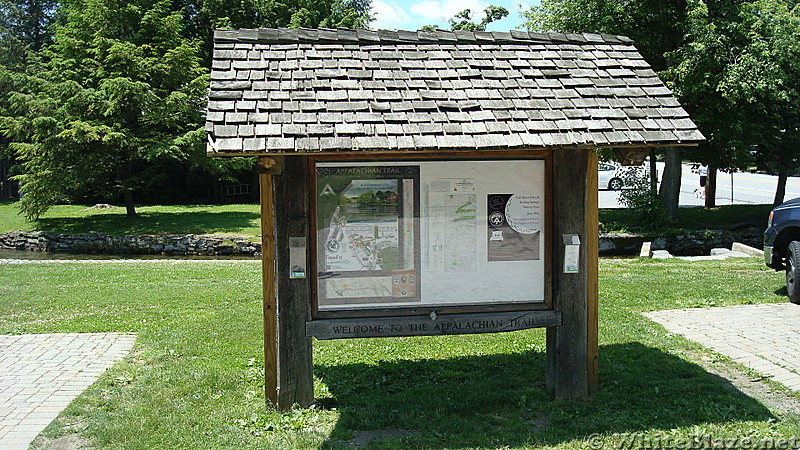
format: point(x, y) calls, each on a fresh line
point(719, 218)
point(195, 377)
point(181, 219)
point(244, 219)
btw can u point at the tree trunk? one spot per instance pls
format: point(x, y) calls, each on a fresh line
point(780, 191)
point(711, 187)
point(130, 209)
point(653, 172)
point(671, 182)
point(128, 184)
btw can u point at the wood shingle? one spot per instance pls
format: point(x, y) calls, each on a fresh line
point(309, 91)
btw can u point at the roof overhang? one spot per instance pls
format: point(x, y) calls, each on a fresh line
point(281, 91)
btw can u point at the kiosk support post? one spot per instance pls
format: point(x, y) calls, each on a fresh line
point(287, 350)
point(572, 347)
point(268, 279)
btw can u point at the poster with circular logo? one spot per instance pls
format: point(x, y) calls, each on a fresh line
point(523, 213)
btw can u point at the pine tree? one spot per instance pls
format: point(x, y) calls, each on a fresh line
point(119, 96)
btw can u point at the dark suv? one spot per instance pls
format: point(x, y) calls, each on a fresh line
point(782, 244)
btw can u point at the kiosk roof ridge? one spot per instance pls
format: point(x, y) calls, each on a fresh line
point(288, 35)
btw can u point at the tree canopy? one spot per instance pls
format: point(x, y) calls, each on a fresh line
point(109, 98)
point(463, 20)
point(120, 91)
point(733, 64)
point(739, 76)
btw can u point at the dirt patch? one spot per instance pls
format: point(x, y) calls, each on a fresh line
point(365, 438)
point(66, 442)
point(750, 384)
point(538, 424)
point(99, 206)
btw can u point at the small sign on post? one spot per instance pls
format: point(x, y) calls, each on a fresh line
point(572, 252)
point(297, 257)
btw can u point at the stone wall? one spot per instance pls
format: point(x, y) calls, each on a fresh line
point(98, 243)
point(690, 243)
point(685, 244)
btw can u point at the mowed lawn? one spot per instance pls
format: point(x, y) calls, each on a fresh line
point(195, 377)
point(241, 219)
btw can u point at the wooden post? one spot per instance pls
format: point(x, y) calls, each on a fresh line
point(592, 269)
point(572, 347)
point(287, 350)
point(268, 279)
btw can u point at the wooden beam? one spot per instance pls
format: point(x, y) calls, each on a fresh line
point(268, 288)
point(568, 346)
point(379, 154)
point(442, 324)
point(295, 378)
point(592, 270)
point(272, 165)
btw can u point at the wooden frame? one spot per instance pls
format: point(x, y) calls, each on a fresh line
point(545, 156)
point(314, 244)
point(569, 314)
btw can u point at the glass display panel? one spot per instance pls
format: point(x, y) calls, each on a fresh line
point(429, 233)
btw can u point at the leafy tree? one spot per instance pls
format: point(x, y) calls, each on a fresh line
point(201, 17)
point(24, 29)
point(658, 28)
point(119, 98)
point(732, 63)
point(741, 73)
point(641, 199)
point(695, 76)
point(114, 105)
point(765, 82)
point(462, 21)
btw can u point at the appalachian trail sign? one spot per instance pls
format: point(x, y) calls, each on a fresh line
point(432, 183)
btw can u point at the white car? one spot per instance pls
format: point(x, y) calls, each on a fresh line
point(609, 177)
point(614, 177)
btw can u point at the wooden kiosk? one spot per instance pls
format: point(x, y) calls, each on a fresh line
point(426, 183)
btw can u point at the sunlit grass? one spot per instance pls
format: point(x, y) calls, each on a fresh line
point(175, 219)
point(195, 377)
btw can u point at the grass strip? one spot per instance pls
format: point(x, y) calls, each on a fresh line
point(242, 219)
point(195, 378)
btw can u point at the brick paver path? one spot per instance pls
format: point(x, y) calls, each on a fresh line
point(764, 337)
point(40, 374)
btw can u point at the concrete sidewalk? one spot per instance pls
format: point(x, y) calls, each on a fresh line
point(763, 337)
point(40, 374)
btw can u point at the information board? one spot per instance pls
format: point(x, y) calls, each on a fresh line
point(429, 233)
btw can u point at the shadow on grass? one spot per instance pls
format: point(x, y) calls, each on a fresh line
point(197, 222)
point(783, 291)
point(500, 400)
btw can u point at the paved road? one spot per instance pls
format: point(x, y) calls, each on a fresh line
point(748, 188)
point(761, 337)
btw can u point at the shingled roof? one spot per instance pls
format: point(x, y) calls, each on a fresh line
point(308, 91)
